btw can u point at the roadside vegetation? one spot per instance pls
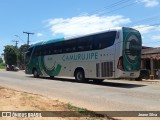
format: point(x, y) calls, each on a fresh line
point(2, 65)
point(84, 111)
point(24, 101)
point(15, 55)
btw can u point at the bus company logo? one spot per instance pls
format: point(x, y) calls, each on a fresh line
point(6, 114)
point(132, 47)
point(80, 56)
point(48, 67)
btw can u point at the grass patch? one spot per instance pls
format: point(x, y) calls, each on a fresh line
point(83, 111)
point(2, 66)
point(80, 110)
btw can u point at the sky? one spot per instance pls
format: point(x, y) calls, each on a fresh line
point(51, 19)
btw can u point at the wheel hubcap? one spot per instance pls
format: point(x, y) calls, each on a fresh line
point(79, 76)
point(35, 73)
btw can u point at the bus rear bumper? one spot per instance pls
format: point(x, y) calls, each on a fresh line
point(123, 74)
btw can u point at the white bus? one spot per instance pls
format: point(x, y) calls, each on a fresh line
point(115, 53)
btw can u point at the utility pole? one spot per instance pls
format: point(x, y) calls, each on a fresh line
point(16, 41)
point(28, 33)
point(19, 38)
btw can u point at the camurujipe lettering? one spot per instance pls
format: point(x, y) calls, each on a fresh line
point(81, 56)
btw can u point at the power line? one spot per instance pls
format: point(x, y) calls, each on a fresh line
point(20, 38)
point(102, 10)
point(28, 33)
point(109, 6)
point(16, 41)
point(118, 6)
point(148, 19)
point(155, 24)
point(121, 7)
point(107, 12)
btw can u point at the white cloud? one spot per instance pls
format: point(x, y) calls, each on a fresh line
point(85, 24)
point(150, 34)
point(39, 34)
point(155, 37)
point(146, 28)
point(149, 3)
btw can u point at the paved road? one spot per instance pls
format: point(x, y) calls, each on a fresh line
point(112, 95)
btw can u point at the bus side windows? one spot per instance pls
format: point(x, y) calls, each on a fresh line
point(104, 40)
point(57, 51)
point(84, 44)
point(36, 51)
point(69, 46)
point(47, 50)
point(42, 50)
point(57, 48)
point(94, 42)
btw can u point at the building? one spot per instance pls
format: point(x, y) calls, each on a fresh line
point(151, 61)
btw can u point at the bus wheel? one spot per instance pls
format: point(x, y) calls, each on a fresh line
point(80, 76)
point(35, 73)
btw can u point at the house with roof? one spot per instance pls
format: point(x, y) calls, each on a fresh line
point(150, 61)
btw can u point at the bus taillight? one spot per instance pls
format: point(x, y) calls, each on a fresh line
point(120, 63)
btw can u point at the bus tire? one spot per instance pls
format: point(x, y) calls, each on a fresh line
point(35, 73)
point(79, 75)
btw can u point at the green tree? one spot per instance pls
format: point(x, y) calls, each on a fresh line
point(21, 57)
point(11, 55)
point(1, 60)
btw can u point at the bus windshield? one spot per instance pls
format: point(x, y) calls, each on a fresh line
point(28, 55)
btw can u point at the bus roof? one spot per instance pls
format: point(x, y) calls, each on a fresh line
point(47, 42)
point(69, 38)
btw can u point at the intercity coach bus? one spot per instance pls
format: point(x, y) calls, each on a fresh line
point(114, 53)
